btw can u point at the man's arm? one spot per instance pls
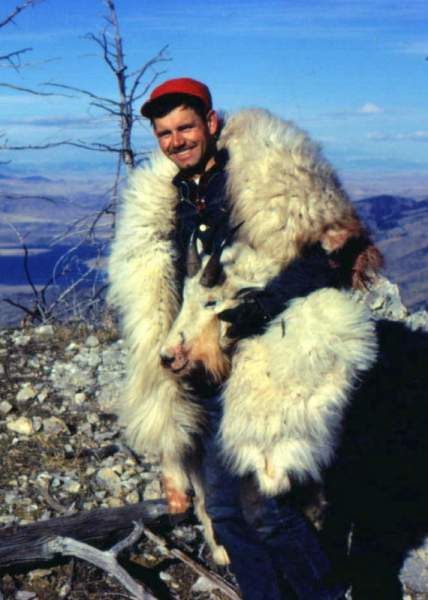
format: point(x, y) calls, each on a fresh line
point(314, 270)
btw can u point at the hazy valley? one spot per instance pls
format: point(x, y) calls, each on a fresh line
point(400, 227)
point(51, 216)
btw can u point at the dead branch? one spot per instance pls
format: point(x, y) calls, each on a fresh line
point(64, 302)
point(56, 506)
point(13, 59)
point(23, 546)
point(18, 65)
point(19, 8)
point(39, 309)
point(105, 560)
point(84, 146)
point(218, 581)
point(82, 91)
point(31, 91)
point(138, 75)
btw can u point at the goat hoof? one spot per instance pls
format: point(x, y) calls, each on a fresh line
point(220, 556)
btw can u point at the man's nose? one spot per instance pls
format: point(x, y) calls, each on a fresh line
point(177, 139)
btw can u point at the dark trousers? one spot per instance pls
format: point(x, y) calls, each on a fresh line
point(283, 550)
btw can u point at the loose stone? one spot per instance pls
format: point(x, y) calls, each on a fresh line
point(27, 392)
point(5, 407)
point(22, 425)
point(54, 425)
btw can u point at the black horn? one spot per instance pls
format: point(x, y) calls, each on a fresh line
point(193, 261)
point(214, 274)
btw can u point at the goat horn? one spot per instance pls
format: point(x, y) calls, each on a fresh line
point(213, 274)
point(193, 261)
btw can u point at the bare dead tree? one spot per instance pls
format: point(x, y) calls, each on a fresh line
point(130, 87)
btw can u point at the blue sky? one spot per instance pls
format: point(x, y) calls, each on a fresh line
point(353, 73)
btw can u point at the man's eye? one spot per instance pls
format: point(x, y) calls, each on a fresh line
point(210, 303)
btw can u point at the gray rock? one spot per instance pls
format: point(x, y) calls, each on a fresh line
point(24, 595)
point(27, 392)
point(5, 407)
point(384, 300)
point(88, 357)
point(92, 341)
point(37, 423)
point(20, 339)
point(42, 395)
point(44, 331)
point(203, 585)
point(71, 486)
point(70, 378)
point(418, 320)
point(108, 478)
point(79, 398)
point(54, 425)
point(133, 497)
point(22, 425)
point(153, 490)
point(109, 396)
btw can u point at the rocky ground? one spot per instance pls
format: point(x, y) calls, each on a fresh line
point(62, 452)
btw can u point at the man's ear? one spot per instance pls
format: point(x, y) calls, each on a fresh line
point(212, 122)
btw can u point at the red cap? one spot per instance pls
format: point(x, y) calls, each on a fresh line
point(183, 85)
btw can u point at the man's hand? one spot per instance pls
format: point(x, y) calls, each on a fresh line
point(178, 502)
point(246, 319)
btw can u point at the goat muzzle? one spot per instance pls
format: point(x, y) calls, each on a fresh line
point(174, 361)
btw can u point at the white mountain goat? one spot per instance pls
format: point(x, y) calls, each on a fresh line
point(314, 397)
point(284, 398)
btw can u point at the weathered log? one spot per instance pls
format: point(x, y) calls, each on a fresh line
point(105, 560)
point(22, 546)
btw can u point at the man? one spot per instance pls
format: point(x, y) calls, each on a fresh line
point(302, 230)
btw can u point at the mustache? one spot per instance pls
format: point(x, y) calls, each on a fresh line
point(182, 149)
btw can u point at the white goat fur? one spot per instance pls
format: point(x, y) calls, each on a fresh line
point(288, 388)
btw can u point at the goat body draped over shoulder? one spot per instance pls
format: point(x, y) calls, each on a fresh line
point(285, 393)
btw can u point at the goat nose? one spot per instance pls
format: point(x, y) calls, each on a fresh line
point(166, 360)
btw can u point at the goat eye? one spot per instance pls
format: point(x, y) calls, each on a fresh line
point(210, 303)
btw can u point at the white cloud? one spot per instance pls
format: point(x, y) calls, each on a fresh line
point(419, 48)
point(413, 136)
point(379, 136)
point(369, 108)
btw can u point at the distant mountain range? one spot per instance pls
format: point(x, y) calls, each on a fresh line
point(400, 227)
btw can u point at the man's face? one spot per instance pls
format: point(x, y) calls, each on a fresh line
point(185, 138)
